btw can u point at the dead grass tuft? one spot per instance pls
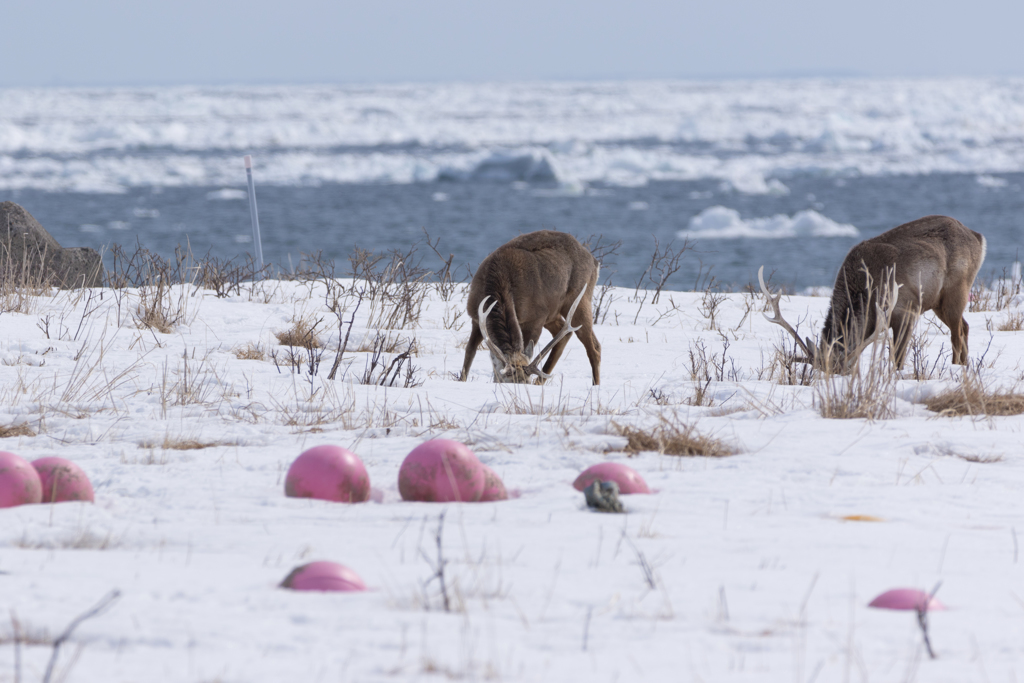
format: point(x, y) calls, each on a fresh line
point(250, 351)
point(84, 539)
point(980, 459)
point(672, 437)
point(972, 397)
point(16, 430)
point(1014, 323)
point(174, 443)
point(302, 334)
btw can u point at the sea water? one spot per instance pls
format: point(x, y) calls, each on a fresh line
point(787, 174)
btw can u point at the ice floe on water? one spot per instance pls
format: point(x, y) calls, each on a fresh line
point(507, 166)
point(991, 181)
point(225, 194)
point(719, 222)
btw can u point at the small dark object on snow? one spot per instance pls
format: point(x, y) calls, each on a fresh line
point(603, 496)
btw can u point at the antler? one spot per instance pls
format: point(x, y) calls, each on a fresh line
point(779, 320)
point(481, 316)
point(567, 329)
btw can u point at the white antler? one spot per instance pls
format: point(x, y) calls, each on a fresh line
point(807, 346)
point(481, 316)
point(567, 329)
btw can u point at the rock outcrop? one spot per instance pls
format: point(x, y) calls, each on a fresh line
point(27, 248)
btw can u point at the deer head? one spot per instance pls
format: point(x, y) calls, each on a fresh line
point(516, 366)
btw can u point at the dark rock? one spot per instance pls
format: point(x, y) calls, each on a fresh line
point(603, 496)
point(26, 247)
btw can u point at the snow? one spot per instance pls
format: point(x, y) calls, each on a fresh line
point(749, 135)
point(720, 222)
point(759, 567)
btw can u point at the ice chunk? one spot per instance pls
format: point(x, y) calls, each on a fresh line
point(509, 166)
point(226, 193)
point(719, 222)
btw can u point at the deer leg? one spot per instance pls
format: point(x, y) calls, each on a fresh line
point(475, 337)
point(587, 338)
point(593, 347)
point(554, 328)
point(902, 324)
point(585, 320)
point(951, 312)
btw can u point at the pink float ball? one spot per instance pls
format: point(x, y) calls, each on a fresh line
point(908, 599)
point(626, 477)
point(323, 576)
point(494, 487)
point(62, 480)
point(19, 482)
point(328, 473)
point(441, 471)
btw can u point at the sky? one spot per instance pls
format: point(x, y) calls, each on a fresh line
point(139, 42)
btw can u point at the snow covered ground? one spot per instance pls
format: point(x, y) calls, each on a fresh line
point(754, 567)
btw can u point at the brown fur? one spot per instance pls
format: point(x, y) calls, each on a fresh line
point(936, 259)
point(534, 278)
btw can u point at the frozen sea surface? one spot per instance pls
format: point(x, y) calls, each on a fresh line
point(372, 166)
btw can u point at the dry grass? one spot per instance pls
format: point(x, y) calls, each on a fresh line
point(250, 351)
point(980, 459)
point(177, 443)
point(1014, 323)
point(972, 397)
point(20, 283)
point(867, 393)
point(672, 437)
point(84, 539)
point(16, 430)
point(302, 334)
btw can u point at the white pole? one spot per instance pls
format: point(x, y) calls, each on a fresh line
point(252, 211)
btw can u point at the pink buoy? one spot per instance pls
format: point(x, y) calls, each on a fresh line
point(907, 599)
point(494, 487)
point(441, 471)
point(328, 473)
point(62, 481)
point(19, 482)
point(626, 477)
point(323, 576)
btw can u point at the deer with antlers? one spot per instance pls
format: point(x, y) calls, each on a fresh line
point(925, 265)
point(540, 280)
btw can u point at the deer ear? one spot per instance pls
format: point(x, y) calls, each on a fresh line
point(529, 350)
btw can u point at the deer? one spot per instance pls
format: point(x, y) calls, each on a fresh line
point(539, 280)
point(925, 265)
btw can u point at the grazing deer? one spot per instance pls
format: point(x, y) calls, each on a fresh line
point(542, 279)
point(925, 265)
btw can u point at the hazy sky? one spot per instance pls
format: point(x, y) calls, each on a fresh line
point(140, 42)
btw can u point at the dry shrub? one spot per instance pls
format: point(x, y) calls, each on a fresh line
point(672, 437)
point(16, 430)
point(21, 280)
point(302, 334)
point(867, 393)
point(250, 351)
point(972, 397)
point(1014, 323)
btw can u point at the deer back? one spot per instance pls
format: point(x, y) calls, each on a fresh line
point(930, 258)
